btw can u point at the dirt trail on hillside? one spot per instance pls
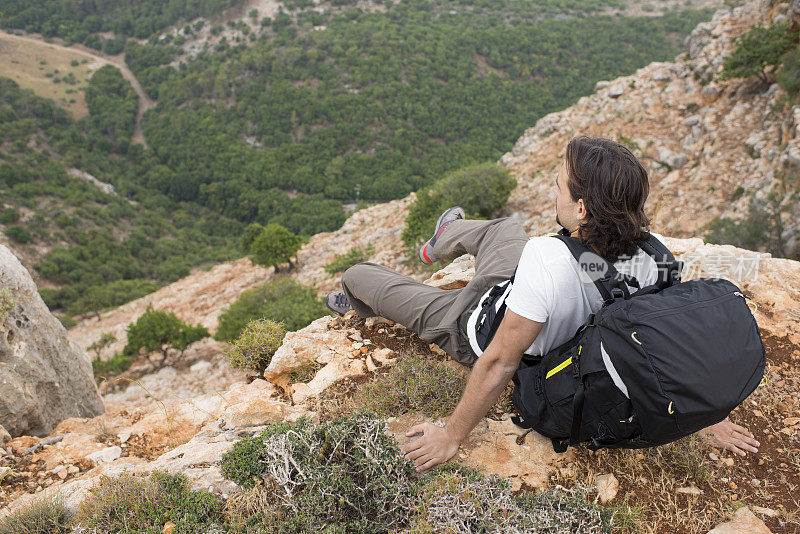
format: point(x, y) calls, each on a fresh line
point(145, 102)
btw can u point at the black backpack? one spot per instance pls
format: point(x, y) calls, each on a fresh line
point(648, 368)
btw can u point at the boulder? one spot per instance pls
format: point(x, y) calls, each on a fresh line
point(744, 522)
point(44, 377)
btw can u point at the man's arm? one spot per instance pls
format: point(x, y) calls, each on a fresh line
point(490, 375)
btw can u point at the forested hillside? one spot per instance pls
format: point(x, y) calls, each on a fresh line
point(375, 106)
point(319, 108)
point(81, 21)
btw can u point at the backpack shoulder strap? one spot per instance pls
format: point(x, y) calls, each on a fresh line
point(603, 284)
point(669, 269)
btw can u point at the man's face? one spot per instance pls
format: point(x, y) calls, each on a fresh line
point(566, 208)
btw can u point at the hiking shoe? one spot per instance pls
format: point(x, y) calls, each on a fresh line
point(449, 215)
point(337, 302)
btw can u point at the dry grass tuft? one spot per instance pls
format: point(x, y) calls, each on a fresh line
point(48, 516)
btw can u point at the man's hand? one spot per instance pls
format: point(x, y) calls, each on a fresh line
point(434, 447)
point(488, 379)
point(727, 435)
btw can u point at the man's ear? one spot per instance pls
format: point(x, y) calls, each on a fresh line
point(581, 213)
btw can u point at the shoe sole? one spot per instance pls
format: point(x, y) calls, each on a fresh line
point(337, 312)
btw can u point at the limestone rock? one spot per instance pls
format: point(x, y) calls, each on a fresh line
point(744, 522)
point(109, 454)
point(44, 378)
point(616, 90)
point(501, 448)
point(673, 159)
point(252, 412)
point(5, 437)
point(455, 275)
point(316, 343)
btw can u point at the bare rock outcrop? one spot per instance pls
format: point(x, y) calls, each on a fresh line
point(44, 377)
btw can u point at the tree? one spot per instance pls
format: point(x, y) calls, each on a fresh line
point(274, 245)
point(250, 234)
point(758, 49)
point(159, 331)
point(105, 340)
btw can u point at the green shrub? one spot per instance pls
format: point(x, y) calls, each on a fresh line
point(756, 50)
point(67, 321)
point(256, 345)
point(342, 262)
point(48, 516)
point(789, 75)
point(144, 504)
point(282, 300)
point(415, 384)
point(159, 331)
point(341, 476)
point(461, 496)
point(480, 189)
point(9, 215)
point(7, 303)
point(760, 230)
point(349, 476)
point(18, 233)
point(116, 365)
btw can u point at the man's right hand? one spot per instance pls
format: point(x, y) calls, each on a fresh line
point(727, 435)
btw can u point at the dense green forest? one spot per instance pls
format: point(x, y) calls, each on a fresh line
point(286, 126)
point(374, 107)
point(80, 21)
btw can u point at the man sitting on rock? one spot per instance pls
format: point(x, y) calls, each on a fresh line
point(600, 192)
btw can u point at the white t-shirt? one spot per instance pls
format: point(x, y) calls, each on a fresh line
point(551, 288)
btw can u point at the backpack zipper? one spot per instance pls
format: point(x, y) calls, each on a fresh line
point(690, 306)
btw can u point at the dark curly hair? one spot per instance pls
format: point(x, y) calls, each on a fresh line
point(614, 187)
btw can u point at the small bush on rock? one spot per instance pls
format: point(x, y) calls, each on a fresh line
point(414, 384)
point(461, 500)
point(342, 262)
point(48, 516)
point(480, 189)
point(131, 503)
point(282, 300)
point(255, 346)
point(341, 476)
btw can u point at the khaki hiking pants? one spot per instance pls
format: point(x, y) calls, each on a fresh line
point(437, 315)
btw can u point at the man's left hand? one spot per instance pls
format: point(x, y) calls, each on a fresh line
point(727, 435)
point(434, 447)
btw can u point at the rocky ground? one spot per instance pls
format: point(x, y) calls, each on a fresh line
point(183, 420)
point(700, 141)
